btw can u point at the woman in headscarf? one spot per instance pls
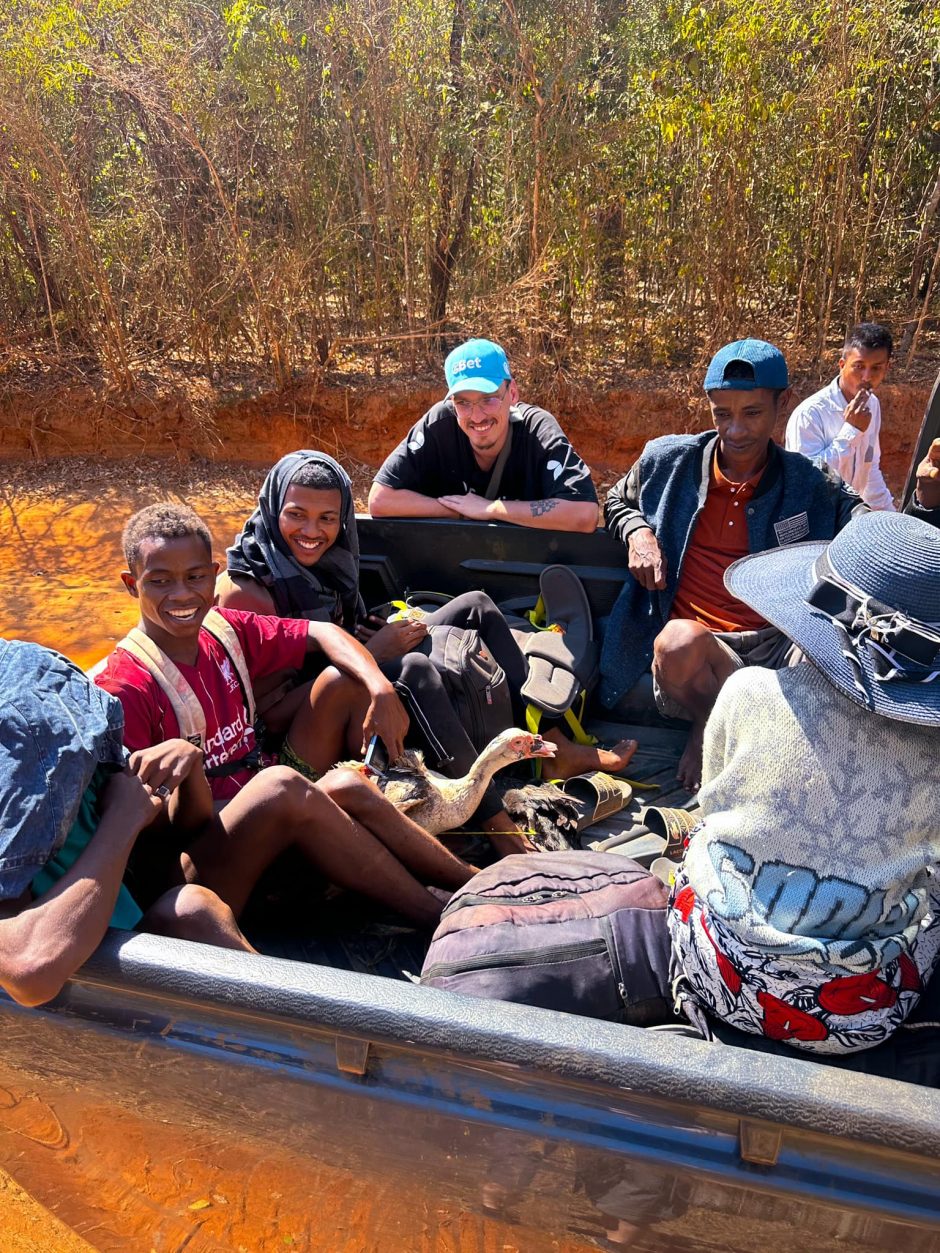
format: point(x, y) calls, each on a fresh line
point(298, 556)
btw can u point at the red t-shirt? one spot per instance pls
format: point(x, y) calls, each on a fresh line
point(269, 644)
point(719, 538)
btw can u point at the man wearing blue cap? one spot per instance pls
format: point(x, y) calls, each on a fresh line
point(481, 454)
point(692, 505)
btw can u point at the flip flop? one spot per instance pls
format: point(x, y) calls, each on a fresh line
point(597, 795)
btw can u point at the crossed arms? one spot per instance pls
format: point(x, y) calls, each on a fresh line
point(553, 514)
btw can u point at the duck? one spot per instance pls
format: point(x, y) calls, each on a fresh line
point(438, 803)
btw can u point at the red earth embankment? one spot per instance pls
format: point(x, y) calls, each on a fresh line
point(186, 418)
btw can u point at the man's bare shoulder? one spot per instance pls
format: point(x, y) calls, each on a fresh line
point(241, 591)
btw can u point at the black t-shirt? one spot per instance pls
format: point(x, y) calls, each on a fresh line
point(435, 458)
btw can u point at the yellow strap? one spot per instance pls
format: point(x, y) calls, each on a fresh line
point(577, 730)
point(536, 616)
point(533, 716)
point(405, 612)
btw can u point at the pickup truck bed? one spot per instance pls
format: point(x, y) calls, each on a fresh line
point(180, 1097)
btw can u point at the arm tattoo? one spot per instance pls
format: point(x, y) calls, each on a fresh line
point(540, 507)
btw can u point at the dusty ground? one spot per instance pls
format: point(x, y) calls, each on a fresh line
point(28, 1227)
point(60, 536)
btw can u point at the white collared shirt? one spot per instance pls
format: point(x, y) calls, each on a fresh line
point(817, 428)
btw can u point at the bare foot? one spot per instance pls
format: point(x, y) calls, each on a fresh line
point(572, 759)
point(689, 770)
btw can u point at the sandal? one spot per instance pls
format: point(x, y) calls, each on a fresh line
point(597, 795)
point(674, 825)
point(561, 656)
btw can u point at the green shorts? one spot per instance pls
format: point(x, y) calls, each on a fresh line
point(127, 913)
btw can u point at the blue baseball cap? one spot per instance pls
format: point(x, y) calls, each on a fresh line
point(767, 367)
point(479, 365)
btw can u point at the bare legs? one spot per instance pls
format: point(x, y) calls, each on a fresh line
point(328, 725)
point(323, 733)
point(191, 912)
point(327, 728)
point(690, 666)
point(411, 844)
point(278, 808)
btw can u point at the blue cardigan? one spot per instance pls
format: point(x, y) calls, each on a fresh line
point(794, 501)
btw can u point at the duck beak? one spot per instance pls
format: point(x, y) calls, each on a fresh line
point(542, 748)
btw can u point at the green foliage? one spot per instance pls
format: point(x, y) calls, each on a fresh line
point(245, 182)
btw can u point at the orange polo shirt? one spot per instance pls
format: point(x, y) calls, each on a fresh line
point(719, 538)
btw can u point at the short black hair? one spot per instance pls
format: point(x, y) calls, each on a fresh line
point(869, 337)
point(744, 370)
point(163, 521)
point(320, 477)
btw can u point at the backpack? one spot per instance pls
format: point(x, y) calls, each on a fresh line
point(580, 932)
point(475, 683)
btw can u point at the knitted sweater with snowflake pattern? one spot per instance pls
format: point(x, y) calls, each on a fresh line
point(820, 826)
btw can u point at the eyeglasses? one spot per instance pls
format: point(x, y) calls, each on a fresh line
point(489, 404)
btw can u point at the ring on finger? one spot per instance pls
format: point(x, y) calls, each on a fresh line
point(162, 791)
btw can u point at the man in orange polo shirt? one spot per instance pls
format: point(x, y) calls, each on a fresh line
point(719, 538)
point(692, 505)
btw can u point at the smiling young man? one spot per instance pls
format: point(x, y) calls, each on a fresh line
point(172, 576)
point(481, 454)
point(186, 686)
point(840, 425)
point(689, 507)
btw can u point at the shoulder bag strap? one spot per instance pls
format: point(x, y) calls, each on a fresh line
point(183, 700)
point(496, 476)
point(225, 633)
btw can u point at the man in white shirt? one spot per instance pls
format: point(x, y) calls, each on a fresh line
point(840, 424)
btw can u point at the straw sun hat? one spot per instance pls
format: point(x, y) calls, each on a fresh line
point(865, 609)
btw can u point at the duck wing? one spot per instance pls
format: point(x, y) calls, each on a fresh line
point(547, 813)
point(407, 784)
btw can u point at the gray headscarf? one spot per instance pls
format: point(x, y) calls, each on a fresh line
point(325, 592)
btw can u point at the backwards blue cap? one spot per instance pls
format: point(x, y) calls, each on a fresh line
point(479, 365)
point(768, 367)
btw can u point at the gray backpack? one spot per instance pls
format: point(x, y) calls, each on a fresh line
point(581, 932)
point(474, 681)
